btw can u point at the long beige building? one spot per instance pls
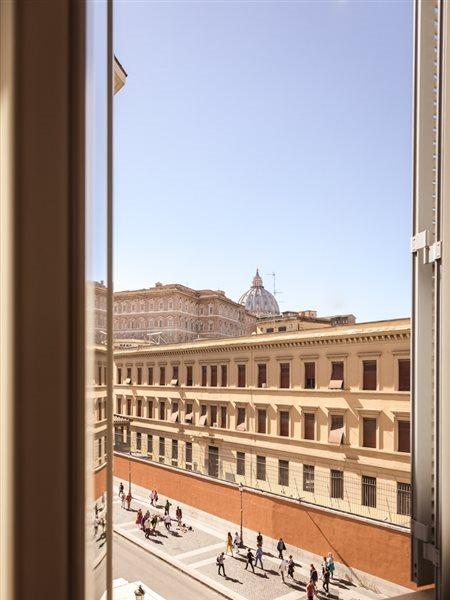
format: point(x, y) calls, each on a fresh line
point(322, 416)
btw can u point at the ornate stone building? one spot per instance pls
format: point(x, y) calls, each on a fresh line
point(176, 313)
point(258, 301)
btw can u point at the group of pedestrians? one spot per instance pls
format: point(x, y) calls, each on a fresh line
point(126, 498)
point(328, 568)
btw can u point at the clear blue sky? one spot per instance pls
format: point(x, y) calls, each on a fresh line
point(270, 134)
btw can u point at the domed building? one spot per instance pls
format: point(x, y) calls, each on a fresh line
point(258, 301)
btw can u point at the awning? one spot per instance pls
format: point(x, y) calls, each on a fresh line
point(241, 427)
point(174, 417)
point(336, 436)
point(336, 384)
point(174, 382)
point(189, 417)
point(203, 420)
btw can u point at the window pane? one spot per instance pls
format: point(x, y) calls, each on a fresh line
point(404, 375)
point(369, 432)
point(308, 478)
point(309, 424)
point(404, 436)
point(285, 375)
point(261, 468)
point(262, 420)
point(240, 463)
point(369, 491)
point(369, 374)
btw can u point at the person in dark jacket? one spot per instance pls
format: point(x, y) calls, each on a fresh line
point(250, 559)
point(313, 574)
point(281, 547)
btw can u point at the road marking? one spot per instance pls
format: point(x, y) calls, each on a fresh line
point(199, 551)
point(202, 563)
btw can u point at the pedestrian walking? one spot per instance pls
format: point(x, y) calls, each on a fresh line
point(229, 546)
point(179, 515)
point(326, 581)
point(259, 539)
point(139, 518)
point(282, 569)
point(167, 507)
point(156, 499)
point(154, 523)
point(147, 528)
point(129, 499)
point(145, 519)
point(330, 563)
point(236, 542)
point(121, 492)
point(281, 547)
point(311, 590)
point(259, 555)
point(152, 498)
point(220, 561)
point(250, 559)
point(124, 500)
point(167, 521)
point(290, 567)
point(313, 574)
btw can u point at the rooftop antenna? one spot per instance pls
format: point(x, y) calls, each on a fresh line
point(275, 291)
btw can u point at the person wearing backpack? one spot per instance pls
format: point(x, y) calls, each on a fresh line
point(220, 561)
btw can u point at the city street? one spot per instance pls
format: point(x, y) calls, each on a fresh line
point(134, 564)
point(194, 552)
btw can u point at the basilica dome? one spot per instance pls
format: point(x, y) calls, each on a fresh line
point(258, 300)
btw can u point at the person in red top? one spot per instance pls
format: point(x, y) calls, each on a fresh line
point(139, 517)
point(128, 499)
point(311, 590)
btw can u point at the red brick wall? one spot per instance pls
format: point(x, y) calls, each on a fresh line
point(100, 482)
point(371, 548)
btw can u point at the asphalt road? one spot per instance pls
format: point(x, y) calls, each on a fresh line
point(135, 564)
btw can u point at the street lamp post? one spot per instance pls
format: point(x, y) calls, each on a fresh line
point(241, 490)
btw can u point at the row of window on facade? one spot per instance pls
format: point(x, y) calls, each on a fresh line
point(336, 487)
point(217, 416)
point(184, 325)
point(187, 307)
point(219, 378)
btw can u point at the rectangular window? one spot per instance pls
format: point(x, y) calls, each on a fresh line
point(139, 375)
point(224, 376)
point(269, 330)
point(213, 415)
point(204, 375)
point(404, 374)
point(337, 484)
point(99, 410)
point(240, 463)
point(99, 375)
point(404, 436)
point(223, 417)
point(118, 405)
point(337, 376)
point(369, 374)
point(310, 423)
point(308, 478)
point(149, 444)
point(175, 373)
point(162, 411)
point(369, 491)
point(162, 449)
point(336, 434)
point(285, 375)
point(149, 409)
point(129, 375)
point(189, 377)
point(262, 375)
point(284, 423)
point(162, 376)
point(404, 499)
point(99, 447)
point(310, 375)
point(188, 452)
point(139, 408)
point(262, 420)
point(241, 375)
point(119, 375)
point(104, 375)
point(213, 374)
point(283, 473)
point(128, 406)
point(138, 441)
point(150, 376)
point(189, 417)
point(174, 413)
point(261, 468)
point(213, 461)
point(369, 432)
point(174, 453)
point(240, 416)
point(282, 328)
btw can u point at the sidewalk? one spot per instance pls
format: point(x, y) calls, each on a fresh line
point(195, 552)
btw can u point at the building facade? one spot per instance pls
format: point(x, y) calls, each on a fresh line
point(321, 416)
point(290, 320)
point(176, 313)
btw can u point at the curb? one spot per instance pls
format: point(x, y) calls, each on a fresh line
point(203, 579)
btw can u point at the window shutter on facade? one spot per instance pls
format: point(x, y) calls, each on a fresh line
point(370, 374)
